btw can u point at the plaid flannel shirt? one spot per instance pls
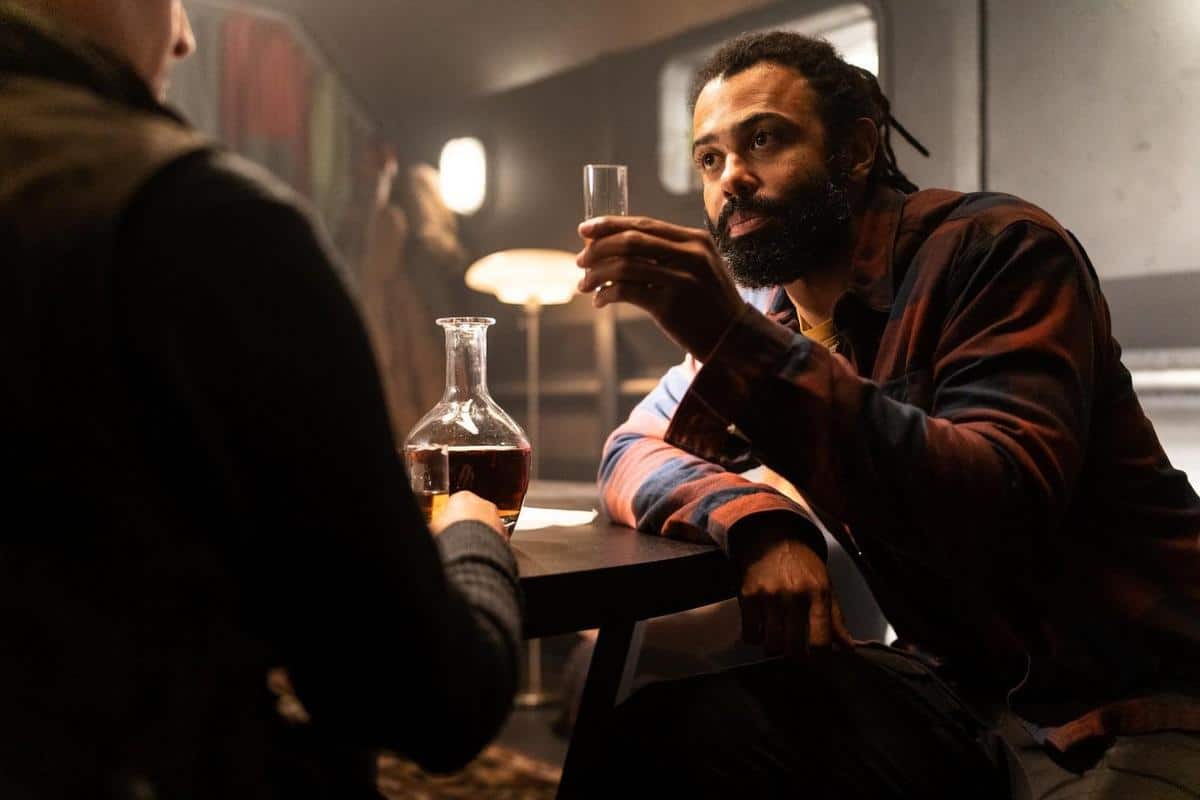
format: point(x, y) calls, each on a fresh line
point(976, 445)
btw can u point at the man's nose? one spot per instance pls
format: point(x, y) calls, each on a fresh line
point(737, 180)
point(185, 38)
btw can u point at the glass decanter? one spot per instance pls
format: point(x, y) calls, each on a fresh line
point(488, 452)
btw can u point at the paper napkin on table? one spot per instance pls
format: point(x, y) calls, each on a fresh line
point(533, 518)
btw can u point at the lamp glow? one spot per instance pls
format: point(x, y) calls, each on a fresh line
point(531, 278)
point(519, 277)
point(463, 175)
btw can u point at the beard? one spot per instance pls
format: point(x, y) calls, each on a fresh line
point(808, 225)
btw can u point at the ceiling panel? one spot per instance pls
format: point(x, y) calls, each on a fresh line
point(398, 55)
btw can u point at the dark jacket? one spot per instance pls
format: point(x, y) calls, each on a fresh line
point(976, 445)
point(200, 483)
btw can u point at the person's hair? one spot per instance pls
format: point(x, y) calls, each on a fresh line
point(844, 92)
point(432, 225)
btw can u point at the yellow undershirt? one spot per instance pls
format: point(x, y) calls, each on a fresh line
point(824, 334)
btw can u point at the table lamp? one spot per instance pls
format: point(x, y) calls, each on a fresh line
point(530, 278)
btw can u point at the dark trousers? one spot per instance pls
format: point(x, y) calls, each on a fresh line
point(868, 723)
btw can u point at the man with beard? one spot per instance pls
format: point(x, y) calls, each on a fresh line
point(935, 373)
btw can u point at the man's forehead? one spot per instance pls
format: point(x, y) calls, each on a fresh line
point(765, 87)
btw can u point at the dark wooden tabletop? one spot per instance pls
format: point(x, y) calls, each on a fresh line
point(584, 577)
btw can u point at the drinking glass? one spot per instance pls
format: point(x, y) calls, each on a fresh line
point(605, 190)
point(429, 477)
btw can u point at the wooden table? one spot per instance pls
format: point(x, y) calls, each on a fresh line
point(608, 577)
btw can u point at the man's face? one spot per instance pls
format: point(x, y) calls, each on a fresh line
point(774, 203)
point(148, 34)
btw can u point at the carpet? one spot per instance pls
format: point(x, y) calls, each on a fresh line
point(498, 773)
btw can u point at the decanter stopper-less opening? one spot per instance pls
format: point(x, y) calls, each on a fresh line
point(488, 452)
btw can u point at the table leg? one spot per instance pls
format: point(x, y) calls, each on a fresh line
point(607, 676)
point(629, 671)
point(534, 695)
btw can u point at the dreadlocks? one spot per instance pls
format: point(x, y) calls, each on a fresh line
point(844, 92)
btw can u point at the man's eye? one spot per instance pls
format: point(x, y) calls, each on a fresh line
point(707, 160)
point(762, 139)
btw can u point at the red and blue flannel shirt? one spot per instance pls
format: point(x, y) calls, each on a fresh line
point(976, 445)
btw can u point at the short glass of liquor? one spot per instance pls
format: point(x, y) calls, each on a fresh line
point(605, 190)
point(429, 477)
point(605, 194)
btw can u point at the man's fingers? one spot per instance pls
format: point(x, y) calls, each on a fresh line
point(752, 619)
point(642, 295)
point(601, 227)
point(797, 625)
point(820, 629)
point(634, 270)
point(775, 627)
point(638, 244)
point(840, 631)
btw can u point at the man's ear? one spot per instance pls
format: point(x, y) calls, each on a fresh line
point(864, 146)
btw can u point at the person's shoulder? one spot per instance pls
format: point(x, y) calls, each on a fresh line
point(961, 227)
point(986, 213)
point(222, 181)
point(218, 194)
point(217, 206)
point(980, 233)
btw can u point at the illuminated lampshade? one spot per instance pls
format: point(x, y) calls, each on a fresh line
point(462, 171)
point(545, 277)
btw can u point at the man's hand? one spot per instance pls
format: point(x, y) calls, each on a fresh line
point(670, 271)
point(787, 601)
point(466, 505)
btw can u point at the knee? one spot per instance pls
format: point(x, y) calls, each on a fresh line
point(652, 722)
point(658, 731)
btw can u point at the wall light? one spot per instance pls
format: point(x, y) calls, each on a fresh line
point(463, 168)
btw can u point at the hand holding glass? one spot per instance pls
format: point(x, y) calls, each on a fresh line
point(605, 193)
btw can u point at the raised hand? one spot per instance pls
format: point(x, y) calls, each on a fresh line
point(671, 271)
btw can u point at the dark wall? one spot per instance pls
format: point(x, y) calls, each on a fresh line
point(538, 137)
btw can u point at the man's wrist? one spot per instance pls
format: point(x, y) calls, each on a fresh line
point(748, 353)
point(753, 535)
point(730, 322)
point(752, 350)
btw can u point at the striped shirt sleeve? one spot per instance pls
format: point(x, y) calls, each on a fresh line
point(659, 488)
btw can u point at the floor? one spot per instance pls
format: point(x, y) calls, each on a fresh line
point(533, 730)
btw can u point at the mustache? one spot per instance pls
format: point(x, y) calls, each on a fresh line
point(757, 205)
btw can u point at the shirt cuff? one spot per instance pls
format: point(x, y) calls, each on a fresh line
point(482, 566)
point(788, 519)
point(476, 541)
point(751, 352)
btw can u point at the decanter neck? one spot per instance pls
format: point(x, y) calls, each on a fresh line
point(466, 358)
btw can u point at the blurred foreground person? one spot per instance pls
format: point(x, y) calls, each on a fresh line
point(201, 484)
point(936, 375)
point(413, 261)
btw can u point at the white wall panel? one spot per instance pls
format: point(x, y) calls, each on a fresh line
point(1094, 111)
